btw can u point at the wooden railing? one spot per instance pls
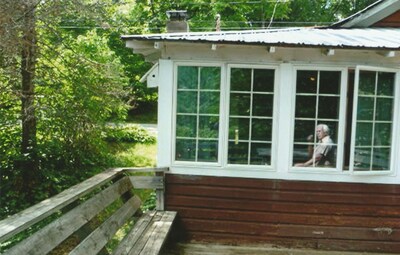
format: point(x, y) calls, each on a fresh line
point(86, 217)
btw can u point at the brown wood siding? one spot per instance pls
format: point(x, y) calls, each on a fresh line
point(320, 215)
point(390, 21)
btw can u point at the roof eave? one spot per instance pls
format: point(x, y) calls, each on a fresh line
point(137, 45)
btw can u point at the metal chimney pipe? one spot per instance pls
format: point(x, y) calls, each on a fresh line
point(177, 22)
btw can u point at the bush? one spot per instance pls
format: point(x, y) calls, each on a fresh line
point(128, 134)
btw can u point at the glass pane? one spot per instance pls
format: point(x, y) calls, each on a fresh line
point(305, 106)
point(364, 134)
point(329, 82)
point(306, 82)
point(383, 134)
point(240, 79)
point(386, 84)
point(381, 159)
point(239, 104)
point(187, 102)
point(365, 109)
point(208, 126)
point(261, 130)
point(366, 84)
point(210, 78)
point(185, 150)
point(384, 109)
point(186, 126)
point(263, 80)
point(238, 153)
point(302, 153)
point(362, 159)
point(328, 107)
point(262, 105)
point(304, 131)
point(208, 151)
point(321, 154)
point(187, 77)
point(239, 128)
point(375, 133)
point(209, 102)
point(260, 154)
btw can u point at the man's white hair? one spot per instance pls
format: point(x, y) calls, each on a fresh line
point(324, 128)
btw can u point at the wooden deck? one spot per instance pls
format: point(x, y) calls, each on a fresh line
point(218, 249)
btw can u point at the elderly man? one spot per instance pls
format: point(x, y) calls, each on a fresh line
point(323, 152)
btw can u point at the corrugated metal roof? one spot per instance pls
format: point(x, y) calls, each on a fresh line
point(369, 38)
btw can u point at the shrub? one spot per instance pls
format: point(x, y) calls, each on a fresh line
point(128, 134)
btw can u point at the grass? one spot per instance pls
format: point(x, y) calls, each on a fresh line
point(135, 155)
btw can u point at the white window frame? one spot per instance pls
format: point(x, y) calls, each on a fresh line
point(395, 122)
point(274, 135)
point(282, 145)
point(174, 115)
point(341, 120)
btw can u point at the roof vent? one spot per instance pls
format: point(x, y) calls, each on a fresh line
point(177, 22)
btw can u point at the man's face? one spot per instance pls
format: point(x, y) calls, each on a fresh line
point(320, 133)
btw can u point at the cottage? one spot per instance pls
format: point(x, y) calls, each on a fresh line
point(283, 136)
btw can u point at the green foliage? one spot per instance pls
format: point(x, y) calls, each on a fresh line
point(128, 134)
point(314, 12)
point(150, 203)
point(234, 14)
point(79, 85)
point(138, 155)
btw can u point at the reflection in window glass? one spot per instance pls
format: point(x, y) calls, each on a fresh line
point(250, 116)
point(374, 121)
point(240, 79)
point(316, 118)
point(197, 113)
point(239, 104)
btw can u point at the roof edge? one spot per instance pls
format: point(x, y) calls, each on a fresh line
point(369, 15)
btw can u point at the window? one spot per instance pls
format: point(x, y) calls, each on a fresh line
point(197, 113)
point(317, 108)
point(251, 103)
point(373, 120)
point(368, 126)
point(338, 124)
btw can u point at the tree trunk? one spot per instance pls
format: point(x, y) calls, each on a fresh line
point(29, 164)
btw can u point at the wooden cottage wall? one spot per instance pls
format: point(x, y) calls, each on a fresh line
point(391, 21)
point(320, 215)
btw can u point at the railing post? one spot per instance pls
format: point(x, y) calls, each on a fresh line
point(160, 193)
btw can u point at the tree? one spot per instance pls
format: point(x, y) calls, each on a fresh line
point(19, 26)
point(68, 84)
point(28, 65)
point(323, 12)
